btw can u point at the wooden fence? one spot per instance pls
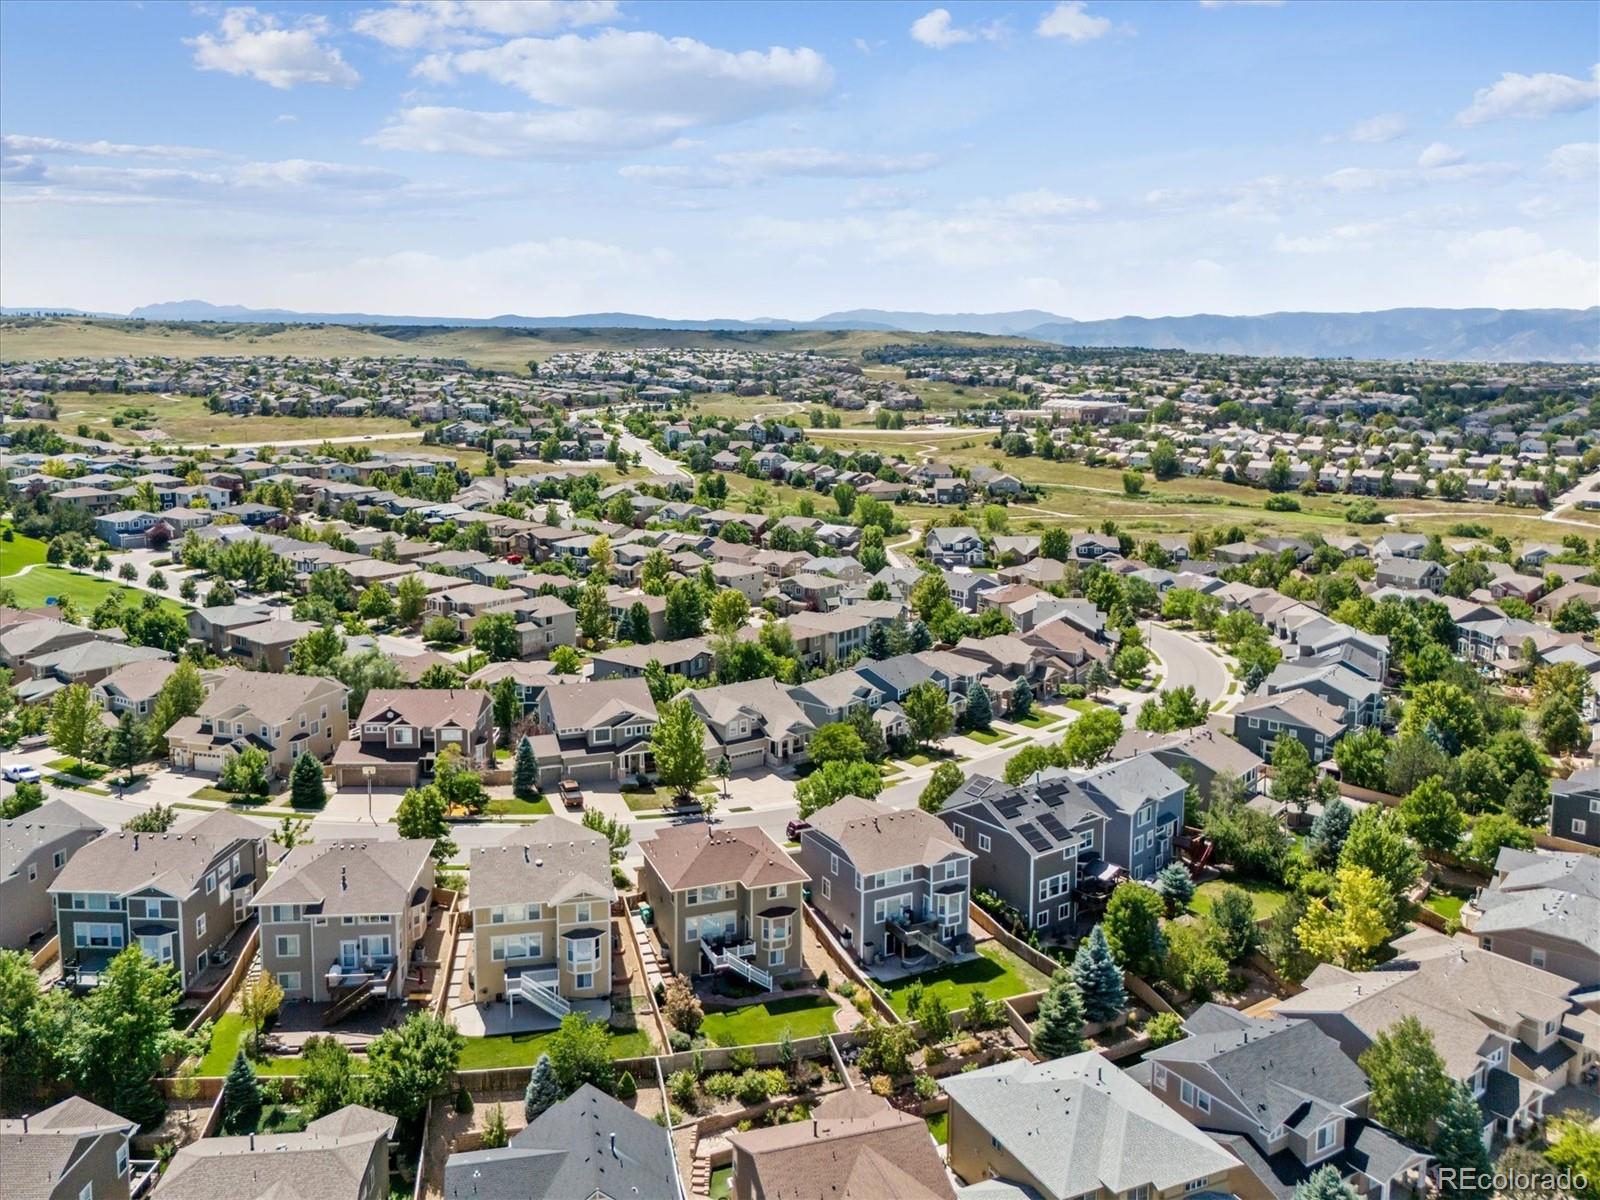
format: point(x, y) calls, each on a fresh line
point(841, 957)
point(1036, 959)
point(47, 953)
point(218, 1003)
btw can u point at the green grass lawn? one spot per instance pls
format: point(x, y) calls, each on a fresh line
point(523, 1049)
point(996, 972)
point(523, 808)
point(79, 767)
point(86, 591)
point(226, 797)
point(1083, 706)
point(939, 1126)
point(1268, 897)
point(758, 1024)
point(20, 552)
point(1038, 719)
point(722, 1182)
point(1447, 904)
point(226, 1035)
point(986, 737)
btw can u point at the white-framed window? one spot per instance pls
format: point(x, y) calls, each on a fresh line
point(890, 906)
point(1158, 1077)
point(288, 945)
point(211, 882)
point(983, 841)
point(775, 958)
point(775, 929)
point(893, 878)
point(1042, 919)
point(583, 980)
point(516, 945)
point(1194, 1097)
point(776, 892)
point(1147, 814)
point(402, 735)
point(1536, 956)
point(582, 913)
point(289, 981)
point(1579, 826)
point(60, 859)
point(200, 925)
point(960, 830)
point(833, 864)
point(1142, 1192)
point(827, 889)
point(122, 1158)
point(1324, 1137)
point(97, 935)
point(949, 870)
point(1064, 913)
point(582, 953)
point(1197, 1185)
point(87, 1191)
point(1594, 807)
point(1056, 885)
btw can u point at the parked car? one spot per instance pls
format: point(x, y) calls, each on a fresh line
point(793, 828)
point(571, 793)
point(21, 773)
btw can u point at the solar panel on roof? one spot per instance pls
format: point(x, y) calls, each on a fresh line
point(1053, 827)
point(1033, 837)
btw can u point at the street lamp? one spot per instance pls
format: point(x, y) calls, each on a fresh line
point(368, 773)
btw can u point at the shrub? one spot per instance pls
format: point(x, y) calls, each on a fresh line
point(926, 1087)
point(1164, 1028)
point(822, 981)
point(846, 988)
point(881, 1085)
point(463, 1100)
point(682, 1006)
point(742, 1059)
point(494, 1129)
point(682, 1087)
point(756, 1086)
point(678, 1040)
point(724, 1085)
point(969, 1046)
point(627, 1089)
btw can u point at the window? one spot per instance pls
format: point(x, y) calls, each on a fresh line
point(827, 889)
point(776, 893)
point(1158, 1077)
point(1142, 1192)
point(289, 981)
point(122, 1158)
point(289, 945)
point(211, 882)
point(1056, 885)
point(200, 925)
point(775, 929)
point(87, 1193)
point(580, 913)
point(97, 935)
point(1324, 1137)
point(890, 907)
point(60, 860)
point(775, 958)
point(959, 830)
point(1042, 919)
point(1594, 807)
point(1536, 956)
point(833, 864)
point(584, 980)
point(983, 841)
point(949, 870)
point(402, 735)
point(1579, 826)
point(1064, 913)
point(1194, 1097)
point(1147, 814)
point(1196, 1185)
point(516, 945)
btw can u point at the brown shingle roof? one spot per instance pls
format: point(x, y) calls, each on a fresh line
point(697, 855)
point(427, 708)
point(881, 839)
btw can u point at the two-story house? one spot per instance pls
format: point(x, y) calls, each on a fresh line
point(1575, 807)
point(725, 899)
point(1360, 698)
point(177, 896)
point(595, 730)
point(1542, 909)
point(1028, 842)
point(401, 732)
point(956, 546)
point(339, 920)
point(754, 723)
point(33, 849)
point(73, 1150)
point(541, 908)
point(894, 883)
point(133, 688)
point(1259, 721)
point(284, 715)
point(341, 1156)
point(1142, 799)
point(214, 626)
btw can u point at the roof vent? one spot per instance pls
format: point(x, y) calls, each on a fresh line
point(524, 854)
point(538, 862)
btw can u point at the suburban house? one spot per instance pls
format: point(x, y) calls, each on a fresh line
point(690, 657)
point(1198, 755)
point(33, 850)
point(339, 920)
point(541, 911)
point(1259, 721)
point(754, 724)
point(595, 730)
point(342, 1156)
point(1575, 807)
point(1142, 800)
point(1359, 697)
point(73, 1150)
point(125, 530)
point(1542, 909)
point(179, 897)
point(401, 732)
point(1414, 575)
point(827, 637)
point(1029, 843)
point(284, 715)
point(267, 645)
point(1282, 1098)
point(855, 1145)
point(213, 627)
point(587, 1145)
point(956, 546)
point(894, 883)
point(133, 688)
point(833, 697)
point(725, 899)
point(1078, 1126)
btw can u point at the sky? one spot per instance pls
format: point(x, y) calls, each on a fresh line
point(752, 160)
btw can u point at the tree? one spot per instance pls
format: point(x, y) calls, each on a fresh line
point(1325, 1183)
point(305, 783)
point(411, 600)
point(1232, 924)
point(1410, 1087)
point(1490, 834)
point(928, 711)
point(408, 1066)
point(637, 628)
point(678, 743)
point(1458, 1143)
point(565, 660)
point(685, 614)
point(259, 1001)
point(1431, 815)
point(525, 773)
point(1575, 616)
point(421, 814)
point(1098, 679)
point(1099, 978)
point(1251, 841)
point(729, 612)
point(1412, 758)
point(1562, 728)
point(1058, 1027)
point(834, 780)
point(1173, 884)
point(375, 604)
point(1133, 928)
point(1350, 924)
point(241, 1097)
point(837, 742)
point(1444, 714)
point(945, 781)
point(1294, 780)
point(980, 712)
point(507, 704)
point(616, 833)
point(543, 1090)
point(1089, 739)
point(458, 784)
point(1376, 843)
point(327, 1079)
point(681, 1006)
point(180, 696)
point(1329, 831)
point(496, 636)
point(125, 747)
point(1021, 700)
point(157, 819)
point(73, 714)
point(1176, 708)
point(316, 653)
point(1576, 1147)
point(580, 1052)
point(246, 772)
point(24, 799)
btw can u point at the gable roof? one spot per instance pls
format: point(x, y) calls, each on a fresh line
point(349, 878)
point(329, 1161)
point(696, 855)
point(270, 697)
point(547, 862)
point(120, 862)
point(880, 839)
point(427, 708)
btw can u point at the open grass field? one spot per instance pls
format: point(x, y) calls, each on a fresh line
point(21, 552)
point(187, 420)
point(85, 590)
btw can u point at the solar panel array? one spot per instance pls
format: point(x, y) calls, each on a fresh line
point(1034, 838)
point(1053, 826)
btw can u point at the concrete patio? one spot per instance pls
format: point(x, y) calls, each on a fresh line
point(495, 1018)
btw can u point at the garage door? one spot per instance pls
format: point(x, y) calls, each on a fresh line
point(747, 760)
point(208, 760)
point(589, 772)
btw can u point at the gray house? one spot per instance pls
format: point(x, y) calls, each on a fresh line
point(893, 882)
point(68, 1151)
point(33, 850)
point(1360, 698)
point(1142, 799)
point(1260, 721)
point(1575, 807)
point(342, 1156)
point(1542, 909)
point(178, 896)
point(1029, 842)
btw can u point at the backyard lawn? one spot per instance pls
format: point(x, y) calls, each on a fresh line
point(1446, 904)
point(523, 1049)
point(1268, 897)
point(86, 590)
point(722, 1182)
point(512, 806)
point(226, 1036)
point(939, 1126)
point(759, 1024)
point(996, 972)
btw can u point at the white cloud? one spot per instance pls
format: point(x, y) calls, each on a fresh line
point(1521, 270)
point(17, 143)
point(1575, 160)
point(1071, 21)
point(813, 160)
point(258, 45)
point(1384, 127)
point(538, 135)
point(1389, 179)
point(1530, 96)
point(245, 183)
point(1042, 202)
point(1340, 237)
point(411, 24)
point(1510, 242)
point(880, 196)
point(1437, 154)
point(936, 31)
point(285, 119)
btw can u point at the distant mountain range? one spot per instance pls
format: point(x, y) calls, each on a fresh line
point(1457, 334)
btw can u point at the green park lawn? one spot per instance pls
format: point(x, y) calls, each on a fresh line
point(86, 591)
point(759, 1024)
point(20, 552)
point(996, 972)
point(1268, 897)
point(1083, 706)
point(523, 1049)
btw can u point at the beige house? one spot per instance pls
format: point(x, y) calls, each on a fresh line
point(339, 920)
point(596, 730)
point(725, 899)
point(285, 715)
point(401, 731)
point(541, 912)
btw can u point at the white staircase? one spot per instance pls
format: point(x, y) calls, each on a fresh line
point(540, 988)
point(732, 959)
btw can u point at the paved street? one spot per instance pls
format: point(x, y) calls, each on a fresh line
point(653, 460)
point(1190, 662)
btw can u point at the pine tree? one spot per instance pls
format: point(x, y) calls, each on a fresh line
point(1325, 1184)
point(1458, 1143)
point(525, 774)
point(1058, 1029)
point(1175, 886)
point(543, 1089)
point(241, 1097)
point(878, 642)
point(980, 712)
point(1021, 701)
point(305, 783)
point(1099, 979)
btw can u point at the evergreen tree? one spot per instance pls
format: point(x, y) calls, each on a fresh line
point(1324, 1184)
point(1175, 886)
point(1328, 832)
point(525, 774)
point(543, 1089)
point(305, 783)
point(980, 712)
point(1021, 701)
point(878, 642)
point(1459, 1143)
point(1058, 1029)
point(919, 638)
point(1099, 979)
point(241, 1097)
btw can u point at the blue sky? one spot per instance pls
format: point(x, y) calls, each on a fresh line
point(742, 160)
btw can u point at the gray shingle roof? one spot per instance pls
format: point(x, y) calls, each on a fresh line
point(544, 863)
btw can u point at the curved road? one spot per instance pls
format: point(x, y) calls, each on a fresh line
point(1190, 663)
